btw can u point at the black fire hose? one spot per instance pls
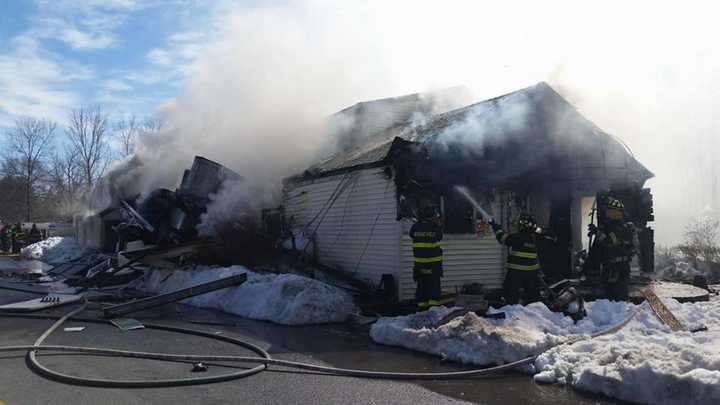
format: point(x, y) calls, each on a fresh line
point(264, 359)
point(36, 366)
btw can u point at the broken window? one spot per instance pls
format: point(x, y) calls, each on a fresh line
point(458, 214)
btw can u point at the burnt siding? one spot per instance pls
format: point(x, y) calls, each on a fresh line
point(359, 232)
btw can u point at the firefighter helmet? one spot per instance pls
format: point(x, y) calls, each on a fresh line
point(614, 203)
point(615, 209)
point(428, 211)
point(527, 222)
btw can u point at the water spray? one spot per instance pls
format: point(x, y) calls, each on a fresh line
point(466, 193)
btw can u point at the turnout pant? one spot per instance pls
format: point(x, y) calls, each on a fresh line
point(527, 280)
point(616, 278)
point(429, 288)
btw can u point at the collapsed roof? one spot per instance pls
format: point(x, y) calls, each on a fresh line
point(532, 133)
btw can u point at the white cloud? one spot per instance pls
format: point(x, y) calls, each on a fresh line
point(159, 57)
point(85, 40)
point(117, 85)
point(31, 84)
point(35, 81)
point(178, 59)
point(83, 25)
point(187, 36)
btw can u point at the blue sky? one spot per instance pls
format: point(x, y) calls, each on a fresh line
point(125, 55)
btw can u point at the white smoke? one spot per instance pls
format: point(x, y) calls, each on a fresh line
point(258, 99)
point(485, 124)
point(235, 199)
point(647, 72)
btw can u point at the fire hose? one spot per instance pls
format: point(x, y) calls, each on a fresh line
point(263, 359)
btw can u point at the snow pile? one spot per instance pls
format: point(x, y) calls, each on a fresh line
point(53, 250)
point(526, 331)
point(282, 298)
point(645, 362)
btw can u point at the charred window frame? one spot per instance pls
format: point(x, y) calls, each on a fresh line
point(458, 214)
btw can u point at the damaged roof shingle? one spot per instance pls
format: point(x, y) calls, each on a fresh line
point(551, 120)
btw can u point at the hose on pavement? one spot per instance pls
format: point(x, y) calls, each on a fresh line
point(263, 359)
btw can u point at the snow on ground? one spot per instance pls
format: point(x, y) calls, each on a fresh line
point(527, 330)
point(281, 298)
point(53, 250)
point(644, 362)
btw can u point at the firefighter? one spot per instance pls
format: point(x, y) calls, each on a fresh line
point(523, 267)
point(613, 249)
point(426, 235)
point(17, 237)
point(35, 235)
point(5, 245)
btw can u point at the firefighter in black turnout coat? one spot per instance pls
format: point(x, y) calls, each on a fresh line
point(523, 267)
point(613, 249)
point(426, 235)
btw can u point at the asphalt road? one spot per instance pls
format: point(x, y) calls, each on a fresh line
point(336, 345)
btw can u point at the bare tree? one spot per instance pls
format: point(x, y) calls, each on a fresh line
point(66, 180)
point(127, 131)
point(28, 145)
point(89, 142)
point(701, 241)
point(151, 126)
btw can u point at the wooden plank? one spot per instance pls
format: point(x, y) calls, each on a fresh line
point(38, 304)
point(162, 299)
point(661, 311)
point(34, 288)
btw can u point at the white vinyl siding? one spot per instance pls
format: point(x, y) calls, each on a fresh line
point(359, 232)
point(466, 259)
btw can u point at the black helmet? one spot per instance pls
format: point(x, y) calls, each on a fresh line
point(614, 203)
point(527, 222)
point(427, 212)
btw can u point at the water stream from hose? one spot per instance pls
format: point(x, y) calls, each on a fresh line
point(466, 193)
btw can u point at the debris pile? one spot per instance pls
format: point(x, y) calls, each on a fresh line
point(165, 217)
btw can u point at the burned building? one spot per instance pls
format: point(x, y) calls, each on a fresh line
point(162, 217)
point(527, 151)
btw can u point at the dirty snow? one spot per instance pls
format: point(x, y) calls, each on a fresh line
point(281, 298)
point(53, 250)
point(526, 331)
point(644, 362)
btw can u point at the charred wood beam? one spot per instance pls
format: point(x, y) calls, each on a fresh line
point(162, 299)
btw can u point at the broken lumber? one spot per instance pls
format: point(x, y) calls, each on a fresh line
point(162, 299)
point(660, 310)
point(38, 304)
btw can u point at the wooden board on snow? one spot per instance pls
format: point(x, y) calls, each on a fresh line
point(38, 304)
point(662, 312)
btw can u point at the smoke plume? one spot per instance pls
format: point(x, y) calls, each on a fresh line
point(647, 72)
